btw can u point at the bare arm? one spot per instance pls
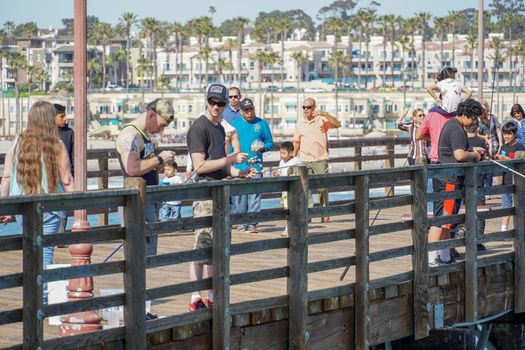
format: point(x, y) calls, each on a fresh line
point(296, 147)
point(432, 89)
point(6, 176)
point(420, 136)
point(65, 170)
point(466, 156)
point(333, 123)
point(129, 145)
point(467, 92)
point(236, 144)
point(203, 166)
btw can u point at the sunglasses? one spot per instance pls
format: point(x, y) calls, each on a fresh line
point(218, 104)
point(233, 96)
point(420, 115)
point(308, 107)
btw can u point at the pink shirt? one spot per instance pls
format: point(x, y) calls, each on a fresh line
point(431, 126)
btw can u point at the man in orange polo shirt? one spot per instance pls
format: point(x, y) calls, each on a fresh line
point(311, 142)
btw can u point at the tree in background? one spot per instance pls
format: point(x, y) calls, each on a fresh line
point(283, 26)
point(128, 20)
point(240, 24)
point(102, 34)
point(423, 18)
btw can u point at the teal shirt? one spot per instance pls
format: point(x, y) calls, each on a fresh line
point(258, 129)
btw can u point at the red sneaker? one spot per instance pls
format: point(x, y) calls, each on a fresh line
point(208, 302)
point(197, 304)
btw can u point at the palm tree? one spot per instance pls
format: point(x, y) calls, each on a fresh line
point(335, 61)
point(178, 30)
point(163, 84)
point(115, 59)
point(440, 25)
point(335, 25)
point(412, 24)
point(94, 70)
point(240, 23)
point(395, 20)
point(283, 26)
point(453, 18)
point(384, 21)
point(404, 43)
point(300, 59)
point(368, 22)
point(423, 18)
point(265, 58)
point(17, 63)
point(497, 56)
point(219, 64)
point(470, 47)
point(151, 28)
point(143, 68)
point(102, 34)
point(128, 20)
point(9, 28)
point(204, 55)
point(229, 46)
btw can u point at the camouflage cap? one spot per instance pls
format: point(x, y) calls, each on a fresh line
point(163, 107)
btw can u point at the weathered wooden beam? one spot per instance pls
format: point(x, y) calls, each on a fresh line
point(103, 183)
point(420, 256)
point(135, 274)
point(362, 319)
point(471, 264)
point(519, 241)
point(221, 267)
point(33, 322)
point(297, 261)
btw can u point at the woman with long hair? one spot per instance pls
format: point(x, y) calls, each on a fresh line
point(38, 163)
point(417, 152)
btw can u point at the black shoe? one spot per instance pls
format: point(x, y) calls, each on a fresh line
point(150, 316)
point(481, 247)
point(454, 254)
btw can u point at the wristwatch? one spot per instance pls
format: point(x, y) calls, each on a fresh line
point(161, 161)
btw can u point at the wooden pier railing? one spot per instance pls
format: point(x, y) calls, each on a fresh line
point(298, 266)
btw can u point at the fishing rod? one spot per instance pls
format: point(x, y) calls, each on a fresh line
point(345, 271)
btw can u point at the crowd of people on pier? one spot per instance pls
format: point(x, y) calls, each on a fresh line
point(229, 139)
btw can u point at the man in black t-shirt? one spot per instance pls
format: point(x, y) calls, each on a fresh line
point(205, 141)
point(453, 147)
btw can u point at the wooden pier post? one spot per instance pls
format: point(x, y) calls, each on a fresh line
point(221, 222)
point(362, 215)
point(135, 274)
point(519, 241)
point(390, 162)
point(297, 260)
point(420, 255)
point(33, 324)
point(471, 245)
point(103, 183)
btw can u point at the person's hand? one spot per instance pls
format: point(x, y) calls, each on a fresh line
point(237, 157)
point(479, 150)
point(275, 173)
point(325, 127)
point(248, 173)
point(5, 219)
point(167, 156)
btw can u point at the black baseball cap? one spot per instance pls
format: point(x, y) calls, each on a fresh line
point(247, 104)
point(217, 92)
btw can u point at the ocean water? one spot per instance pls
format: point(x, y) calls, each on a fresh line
point(186, 211)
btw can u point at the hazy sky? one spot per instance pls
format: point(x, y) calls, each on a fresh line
point(50, 12)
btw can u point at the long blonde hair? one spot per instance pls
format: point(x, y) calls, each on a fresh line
point(39, 142)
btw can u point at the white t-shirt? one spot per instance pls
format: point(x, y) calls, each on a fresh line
point(172, 181)
point(284, 170)
point(284, 166)
point(450, 94)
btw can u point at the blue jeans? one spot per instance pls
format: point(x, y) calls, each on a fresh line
point(51, 225)
point(430, 189)
point(247, 203)
point(151, 241)
point(170, 212)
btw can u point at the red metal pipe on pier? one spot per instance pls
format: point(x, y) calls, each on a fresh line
point(80, 288)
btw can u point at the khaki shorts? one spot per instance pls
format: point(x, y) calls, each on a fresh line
point(203, 236)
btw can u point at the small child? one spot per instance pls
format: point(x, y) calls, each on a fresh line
point(508, 151)
point(450, 90)
point(474, 140)
point(286, 165)
point(171, 209)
